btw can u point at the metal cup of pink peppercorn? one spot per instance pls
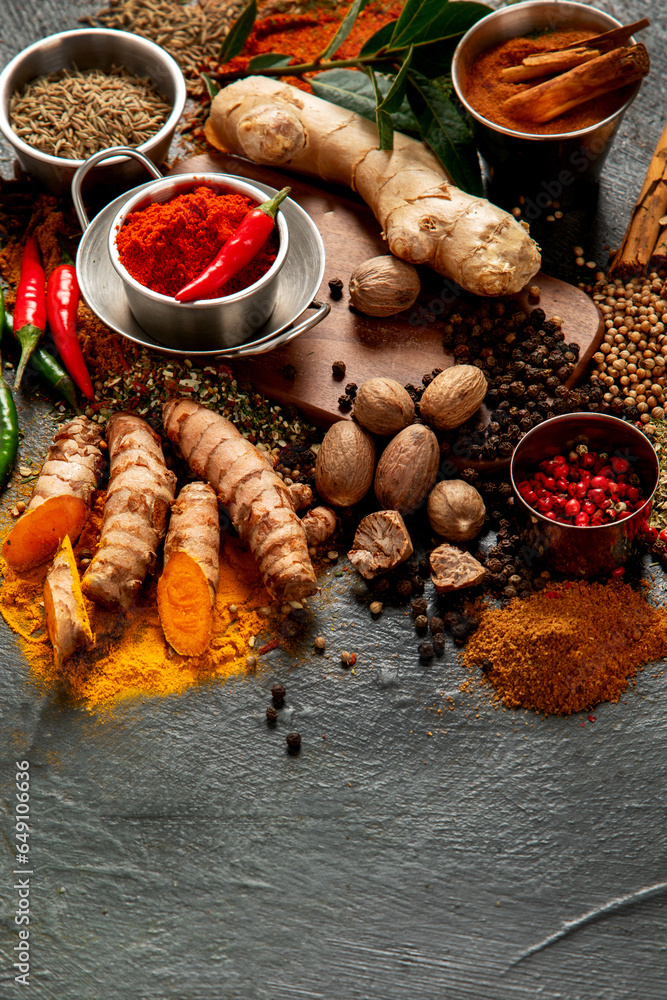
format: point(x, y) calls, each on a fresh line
point(584, 482)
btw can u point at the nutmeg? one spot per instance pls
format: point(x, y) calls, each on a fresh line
point(381, 542)
point(383, 406)
point(345, 464)
point(384, 286)
point(407, 468)
point(455, 510)
point(453, 396)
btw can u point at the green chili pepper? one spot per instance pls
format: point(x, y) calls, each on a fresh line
point(9, 418)
point(43, 362)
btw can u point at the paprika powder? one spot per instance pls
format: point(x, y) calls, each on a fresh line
point(166, 245)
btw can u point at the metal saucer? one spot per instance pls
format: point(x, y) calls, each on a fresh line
point(300, 279)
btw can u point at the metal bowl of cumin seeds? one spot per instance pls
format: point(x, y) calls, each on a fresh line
point(72, 92)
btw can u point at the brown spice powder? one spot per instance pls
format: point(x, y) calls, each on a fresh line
point(486, 92)
point(567, 648)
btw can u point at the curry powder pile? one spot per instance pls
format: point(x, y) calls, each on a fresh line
point(567, 648)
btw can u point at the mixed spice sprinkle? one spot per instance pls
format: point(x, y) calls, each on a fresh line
point(74, 113)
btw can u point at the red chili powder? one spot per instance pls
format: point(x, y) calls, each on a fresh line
point(166, 245)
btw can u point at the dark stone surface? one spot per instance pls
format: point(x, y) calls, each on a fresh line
point(178, 851)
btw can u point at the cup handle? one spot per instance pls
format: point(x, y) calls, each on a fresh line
point(92, 161)
point(323, 309)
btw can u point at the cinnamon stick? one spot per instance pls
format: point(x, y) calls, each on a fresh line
point(611, 39)
point(546, 64)
point(658, 258)
point(595, 78)
point(646, 220)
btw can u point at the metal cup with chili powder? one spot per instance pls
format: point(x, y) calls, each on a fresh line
point(204, 324)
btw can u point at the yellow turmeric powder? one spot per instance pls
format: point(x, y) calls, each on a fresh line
point(131, 656)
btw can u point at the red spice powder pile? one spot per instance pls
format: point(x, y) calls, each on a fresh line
point(305, 36)
point(165, 246)
point(569, 647)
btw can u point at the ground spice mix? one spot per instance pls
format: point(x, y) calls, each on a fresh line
point(568, 647)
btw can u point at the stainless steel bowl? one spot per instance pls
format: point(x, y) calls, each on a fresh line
point(205, 324)
point(584, 550)
point(557, 163)
point(90, 48)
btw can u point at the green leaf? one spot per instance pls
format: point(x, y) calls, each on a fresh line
point(445, 131)
point(435, 59)
point(238, 34)
point(395, 96)
point(348, 88)
point(211, 86)
point(448, 21)
point(382, 118)
point(267, 60)
point(378, 40)
point(415, 18)
point(344, 29)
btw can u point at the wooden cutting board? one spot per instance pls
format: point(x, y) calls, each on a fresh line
point(392, 347)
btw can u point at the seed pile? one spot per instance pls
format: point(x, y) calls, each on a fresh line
point(74, 113)
point(192, 33)
point(631, 362)
point(569, 647)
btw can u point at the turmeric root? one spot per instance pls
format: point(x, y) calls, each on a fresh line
point(425, 219)
point(66, 617)
point(257, 500)
point(134, 522)
point(61, 500)
point(189, 582)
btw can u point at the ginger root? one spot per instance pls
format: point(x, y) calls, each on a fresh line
point(319, 524)
point(67, 620)
point(425, 219)
point(259, 503)
point(134, 522)
point(189, 582)
point(62, 496)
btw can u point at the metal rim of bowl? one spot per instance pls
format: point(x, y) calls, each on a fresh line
point(185, 180)
point(504, 12)
point(137, 40)
point(612, 422)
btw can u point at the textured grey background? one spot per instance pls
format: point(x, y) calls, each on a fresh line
point(179, 853)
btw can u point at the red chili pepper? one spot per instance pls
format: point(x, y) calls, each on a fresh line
point(62, 300)
point(236, 252)
point(30, 308)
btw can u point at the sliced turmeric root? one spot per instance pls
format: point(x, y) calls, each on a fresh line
point(62, 496)
point(66, 617)
point(36, 536)
point(184, 604)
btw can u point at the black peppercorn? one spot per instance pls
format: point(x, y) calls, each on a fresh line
point(344, 403)
point(419, 607)
point(278, 693)
point(289, 372)
point(404, 588)
point(338, 369)
point(351, 389)
point(271, 715)
point(336, 288)
point(436, 624)
point(293, 741)
point(438, 642)
point(425, 650)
